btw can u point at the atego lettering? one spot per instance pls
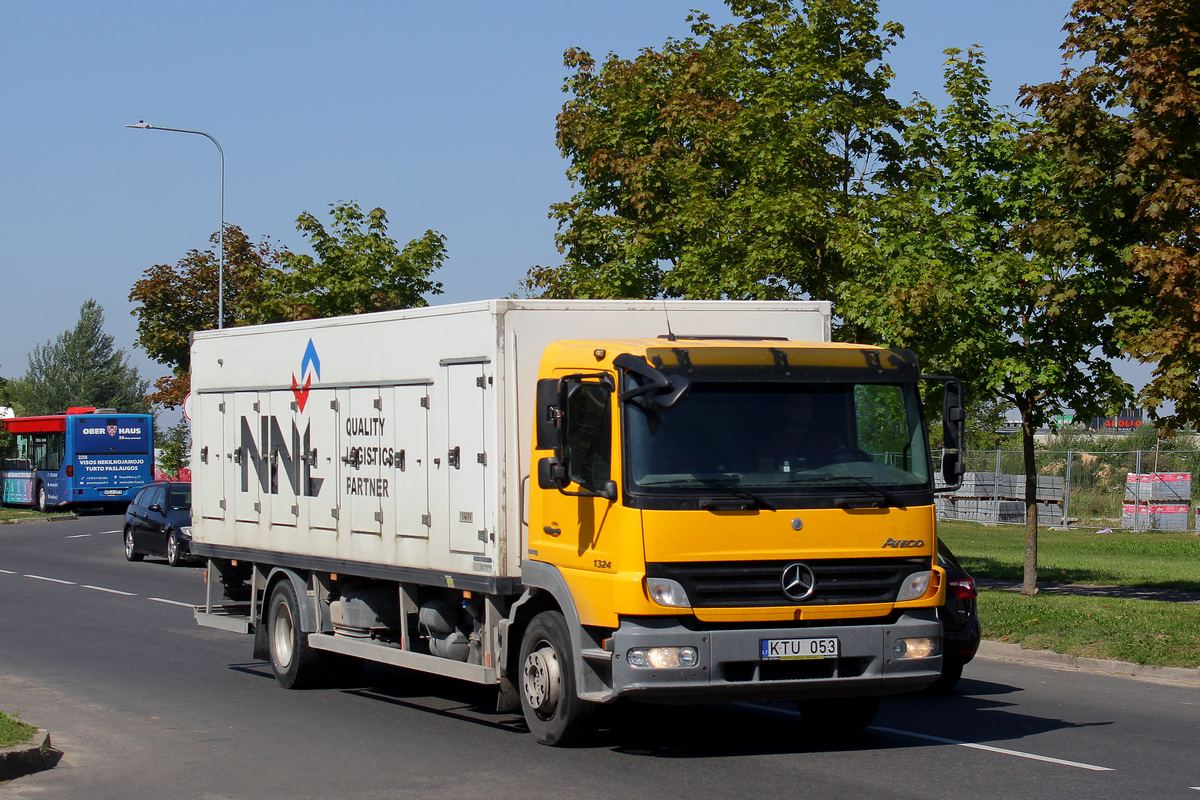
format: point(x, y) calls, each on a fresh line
point(275, 454)
point(904, 543)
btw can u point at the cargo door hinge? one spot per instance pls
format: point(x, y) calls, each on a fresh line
point(481, 458)
point(333, 512)
point(427, 520)
point(425, 402)
point(204, 455)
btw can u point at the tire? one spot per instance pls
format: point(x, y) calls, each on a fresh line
point(295, 664)
point(130, 553)
point(42, 503)
point(952, 670)
point(174, 555)
point(549, 698)
point(838, 718)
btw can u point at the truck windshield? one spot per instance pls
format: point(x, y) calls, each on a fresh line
point(779, 438)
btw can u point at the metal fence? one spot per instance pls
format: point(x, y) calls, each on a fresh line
point(1135, 489)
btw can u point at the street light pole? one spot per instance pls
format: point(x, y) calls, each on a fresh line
point(143, 125)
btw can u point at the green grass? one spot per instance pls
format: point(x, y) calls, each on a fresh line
point(13, 731)
point(1137, 631)
point(1159, 560)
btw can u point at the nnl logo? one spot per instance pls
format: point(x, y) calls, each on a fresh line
point(292, 457)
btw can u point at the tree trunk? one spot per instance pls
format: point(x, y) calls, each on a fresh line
point(1029, 585)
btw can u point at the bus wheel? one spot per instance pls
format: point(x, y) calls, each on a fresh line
point(295, 664)
point(42, 504)
point(130, 553)
point(553, 710)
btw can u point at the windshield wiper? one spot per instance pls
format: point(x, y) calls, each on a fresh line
point(867, 487)
point(730, 485)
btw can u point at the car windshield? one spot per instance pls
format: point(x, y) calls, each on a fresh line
point(179, 498)
point(776, 437)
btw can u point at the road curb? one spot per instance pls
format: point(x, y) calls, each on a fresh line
point(23, 520)
point(1004, 651)
point(24, 759)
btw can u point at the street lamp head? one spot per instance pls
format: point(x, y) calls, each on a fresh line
point(141, 124)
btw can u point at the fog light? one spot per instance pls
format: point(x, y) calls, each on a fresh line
point(667, 592)
point(662, 657)
point(914, 586)
point(919, 647)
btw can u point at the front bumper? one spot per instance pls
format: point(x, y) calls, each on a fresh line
point(729, 666)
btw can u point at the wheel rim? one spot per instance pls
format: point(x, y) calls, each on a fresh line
point(282, 631)
point(172, 550)
point(42, 504)
point(541, 679)
point(128, 543)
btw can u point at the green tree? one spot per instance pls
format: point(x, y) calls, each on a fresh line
point(730, 164)
point(176, 444)
point(966, 276)
point(1123, 131)
point(358, 268)
point(170, 302)
point(79, 368)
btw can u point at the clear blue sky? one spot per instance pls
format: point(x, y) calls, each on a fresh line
point(441, 113)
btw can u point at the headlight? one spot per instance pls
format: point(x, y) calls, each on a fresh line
point(186, 531)
point(914, 586)
point(918, 647)
point(667, 592)
point(663, 657)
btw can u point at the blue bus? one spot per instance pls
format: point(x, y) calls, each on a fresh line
point(85, 457)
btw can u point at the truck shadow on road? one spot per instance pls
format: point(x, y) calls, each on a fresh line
point(975, 713)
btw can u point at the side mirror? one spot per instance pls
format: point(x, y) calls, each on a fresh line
point(552, 474)
point(953, 431)
point(154, 507)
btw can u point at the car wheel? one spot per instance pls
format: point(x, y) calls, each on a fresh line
point(295, 664)
point(130, 553)
point(952, 669)
point(552, 708)
point(174, 556)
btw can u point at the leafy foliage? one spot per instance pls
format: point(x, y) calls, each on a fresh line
point(176, 445)
point(1123, 132)
point(357, 268)
point(171, 302)
point(79, 368)
point(729, 164)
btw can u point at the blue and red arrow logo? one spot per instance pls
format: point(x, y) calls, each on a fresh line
point(310, 365)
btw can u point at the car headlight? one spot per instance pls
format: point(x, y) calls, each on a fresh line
point(186, 531)
point(914, 586)
point(667, 592)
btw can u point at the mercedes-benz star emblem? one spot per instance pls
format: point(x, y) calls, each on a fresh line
point(798, 581)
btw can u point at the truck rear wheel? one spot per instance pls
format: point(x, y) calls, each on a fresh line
point(549, 698)
point(838, 718)
point(295, 664)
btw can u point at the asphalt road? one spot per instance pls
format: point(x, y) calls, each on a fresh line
point(145, 704)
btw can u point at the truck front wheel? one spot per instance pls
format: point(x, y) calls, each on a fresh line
point(549, 698)
point(295, 664)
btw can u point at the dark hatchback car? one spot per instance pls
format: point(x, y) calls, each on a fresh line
point(159, 523)
point(960, 620)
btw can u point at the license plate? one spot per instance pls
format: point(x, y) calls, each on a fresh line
point(113, 492)
point(799, 649)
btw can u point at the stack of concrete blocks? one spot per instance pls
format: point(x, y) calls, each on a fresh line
point(1000, 497)
point(1157, 501)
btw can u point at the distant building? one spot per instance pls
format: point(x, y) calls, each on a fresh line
point(1129, 420)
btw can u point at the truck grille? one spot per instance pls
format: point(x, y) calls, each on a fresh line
point(727, 584)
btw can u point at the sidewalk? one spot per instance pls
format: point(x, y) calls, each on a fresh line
point(1131, 592)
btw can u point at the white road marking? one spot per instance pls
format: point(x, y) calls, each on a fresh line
point(110, 591)
point(1000, 750)
point(171, 602)
point(52, 580)
point(8, 572)
point(110, 531)
point(79, 536)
